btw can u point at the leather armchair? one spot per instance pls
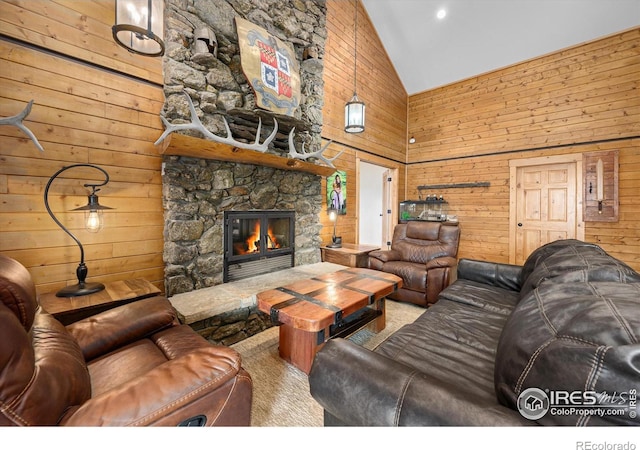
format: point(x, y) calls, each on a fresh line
point(423, 254)
point(129, 366)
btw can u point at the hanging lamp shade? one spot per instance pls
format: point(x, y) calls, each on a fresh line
point(354, 109)
point(354, 115)
point(139, 26)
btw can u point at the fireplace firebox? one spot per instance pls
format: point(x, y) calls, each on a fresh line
point(257, 242)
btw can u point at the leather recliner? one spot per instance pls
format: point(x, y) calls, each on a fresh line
point(423, 254)
point(129, 366)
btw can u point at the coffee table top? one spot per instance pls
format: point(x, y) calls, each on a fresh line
point(318, 302)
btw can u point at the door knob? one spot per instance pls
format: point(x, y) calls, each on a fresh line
point(520, 224)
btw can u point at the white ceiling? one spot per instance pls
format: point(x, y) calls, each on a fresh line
point(479, 36)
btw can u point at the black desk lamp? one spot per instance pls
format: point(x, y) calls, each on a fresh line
point(93, 223)
point(336, 241)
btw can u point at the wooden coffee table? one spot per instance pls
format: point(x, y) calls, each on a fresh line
point(337, 304)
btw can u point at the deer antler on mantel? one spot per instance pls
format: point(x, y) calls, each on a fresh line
point(196, 124)
point(293, 153)
point(17, 121)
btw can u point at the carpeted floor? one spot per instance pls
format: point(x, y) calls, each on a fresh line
point(281, 391)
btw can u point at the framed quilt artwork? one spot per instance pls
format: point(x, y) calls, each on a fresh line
point(271, 68)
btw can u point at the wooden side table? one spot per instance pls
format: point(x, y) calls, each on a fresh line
point(116, 293)
point(351, 255)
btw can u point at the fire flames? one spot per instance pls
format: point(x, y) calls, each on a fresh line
point(253, 241)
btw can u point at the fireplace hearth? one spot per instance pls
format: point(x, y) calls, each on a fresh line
point(257, 242)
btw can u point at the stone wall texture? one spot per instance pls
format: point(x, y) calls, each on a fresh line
point(213, 76)
point(197, 192)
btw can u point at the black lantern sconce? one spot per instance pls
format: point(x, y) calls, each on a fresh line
point(336, 241)
point(93, 223)
point(139, 26)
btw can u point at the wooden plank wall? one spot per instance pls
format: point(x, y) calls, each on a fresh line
point(384, 140)
point(96, 103)
point(581, 99)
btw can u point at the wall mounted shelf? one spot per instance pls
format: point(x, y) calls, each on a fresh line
point(454, 185)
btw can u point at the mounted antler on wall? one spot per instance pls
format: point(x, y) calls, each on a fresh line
point(17, 121)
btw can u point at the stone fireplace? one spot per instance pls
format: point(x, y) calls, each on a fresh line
point(197, 193)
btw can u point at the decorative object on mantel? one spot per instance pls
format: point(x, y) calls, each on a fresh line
point(600, 186)
point(183, 145)
point(197, 125)
point(354, 110)
point(17, 121)
point(271, 68)
point(93, 223)
point(317, 154)
point(139, 26)
point(206, 45)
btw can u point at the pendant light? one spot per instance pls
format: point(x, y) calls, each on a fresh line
point(139, 26)
point(354, 109)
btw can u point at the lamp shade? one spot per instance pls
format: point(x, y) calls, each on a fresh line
point(93, 217)
point(139, 26)
point(354, 112)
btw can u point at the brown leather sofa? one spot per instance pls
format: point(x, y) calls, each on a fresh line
point(130, 366)
point(424, 255)
point(500, 341)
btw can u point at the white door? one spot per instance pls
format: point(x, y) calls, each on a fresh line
point(371, 213)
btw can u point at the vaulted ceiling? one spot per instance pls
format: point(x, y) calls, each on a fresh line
point(478, 36)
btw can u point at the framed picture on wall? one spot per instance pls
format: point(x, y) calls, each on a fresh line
point(337, 191)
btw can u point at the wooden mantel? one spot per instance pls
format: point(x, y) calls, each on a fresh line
point(182, 145)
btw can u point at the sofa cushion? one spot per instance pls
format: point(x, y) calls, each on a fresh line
point(450, 341)
point(579, 336)
point(43, 367)
point(420, 242)
point(413, 275)
point(578, 262)
point(424, 231)
point(481, 295)
point(542, 253)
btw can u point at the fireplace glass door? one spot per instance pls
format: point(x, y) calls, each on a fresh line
point(258, 236)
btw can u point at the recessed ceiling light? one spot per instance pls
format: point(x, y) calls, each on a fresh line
point(441, 14)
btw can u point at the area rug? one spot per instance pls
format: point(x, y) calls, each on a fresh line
point(281, 395)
